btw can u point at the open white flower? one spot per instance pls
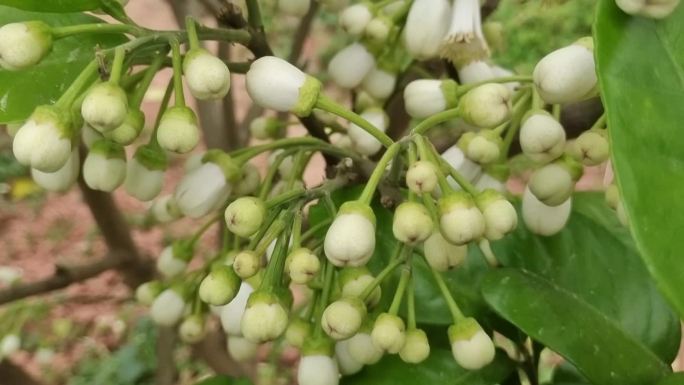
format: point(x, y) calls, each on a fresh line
point(44, 141)
point(363, 142)
point(62, 179)
point(465, 41)
point(104, 168)
point(350, 65)
point(207, 76)
point(426, 25)
point(24, 44)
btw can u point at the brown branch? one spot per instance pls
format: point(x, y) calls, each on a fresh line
point(212, 350)
point(166, 366)
point(302, 33)
point(12, 374)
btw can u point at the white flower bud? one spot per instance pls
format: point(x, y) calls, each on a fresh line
point(297, 332)
point(343, 318)
point(542, 138)
point(411, 223)
point(303, 265)
point(178, 131)
point(350, 65)
point(552, 184)
point(317, 370)
point(220, 286)
point(90, 135)
point(442, 255)
point(62, 179)
point(543, 219)
point(350, 240)
point(241, 349)
point(365, 101)
point(244, 216)
point(568, 74)
point(347, 363)
point(472, 348)
point(379, 83)
point(265, 127)
point(207, 76)
point(249, 181)
point(192, 330)
point(475, 71)
point(274, 83)
point(201, 190)
point(174, 259)
point(168, 308)
point(466, 167)
point(246, 264)
point(486, 181)
point(363, 142)
point(264, 319)
point(231, 314)
point(378, 29)
point(486, 106)
point(591, 147)
point(355, 18)
point(297, 8)
point(483, 147)
point(44, 141)
point(426, 97)
point(426, 25)
point(389, 333)
point(105, 107)
point(10, 344)
point(460, 220)
point(24, 44)
point(145, 173)
point(355, 280)
point(499, 214)
point(340, 140)
point(421, 177)
point(416, 348)
point(362, 348)
point(130, 129)
point(147, 292)
point(104, 168)
point(653, 9)
point(165, 209)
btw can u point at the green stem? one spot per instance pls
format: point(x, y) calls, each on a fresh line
point(162, 107)
point(487, 252)
point(394, 263)
point(514, 124)
point(440, 117)
point(537, 102)
point(285, 197)
point(177, 73)
point(600, 122)
point(328, 275)
point(326, 104)
point(276, 265)
point(311, 231)
point(426, 154)
point(556, 111)
point(69, 30)
point(297, 230)
point(254, 14)
point(378, 172)
point(411, 304)
point(243, 155)
point(83, 79)
point(139, 94)
point(401, 288)
point(505, 79)
point(456, 313)
point(271, 234)
point(191, 28)
point(203, 229)
point(272, 217)
point(117, 65)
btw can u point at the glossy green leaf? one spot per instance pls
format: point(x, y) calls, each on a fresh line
point(439, 369)
point(673, 379)
point(22, 91)
point(641, 70)
point(594, 259)
point(53, 5)
point(567, 324)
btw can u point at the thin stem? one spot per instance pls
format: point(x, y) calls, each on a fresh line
point(297, 230)
point(401, 288)
point(456, 313)
point(272, 217)
point(378, 172)
point(117, 65)
point(177, 73)
point(162, 107)
point(489, 256)
point(394, 263)
point(139, 93)
point(285, 197)
point(191, 28)
point(328, 275)
point(311, 231)
point(537, 102)
point(276, 265)
point(514, 124)
point(326, 104)
point(411, 304)
point(440, 117)
point(84, 78)
point(556, 111)
point(203, 229)
point(243, 155)
point(254, 14)
point(505, 79)
point(271, 234)
point(69, 30)
point(600, 122)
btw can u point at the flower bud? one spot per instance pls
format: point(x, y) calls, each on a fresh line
point(471, 346)
point(192, 330)
point(591, 147)
point(265, 317)
point(44, 141)
point(297, 332)
point(147, 292)
point(421, 177)
point(207, 76)
point(475, 71)
point(168, 308)
point(231, 314)
point(203, 189)
point(653, 9)
point(426, 97)
point(416, 348)
point(89, 135)
point(317, 369)
point(568, 74)
point(165, 209)
point(178, 131)
point(343, 318)
point(249, 181)
point(499, 214)
point(265, 127)
point(297, 8)
point(363, 142)
point(426, 25)
point(362, 348)
point(488, 181)
point(274, 83)
point(378, 29)
point(303, 265)
point(174, 259)
point(365, 101)
point(246, 264)
point(104, 168)
point(486, 106)
point(347, 363)
point(350, 240)
point(466, 167)
point(355, 18)
point(245, 215)
point(355, 280)
point(62, 179)
point(241, 349)
point(24, 44)
point(411, 223)
point(105, 107)
point(460, 220)
point(442, 255)
point(554, 183)
point(543, 219)
point(483, 147)
point(379, 83)
point(389, 333)
point(612, 196)
point(350, 65)
point(220, 286)
point(130, 129)
point(145, 173)
point(542, 138)
point(10, 344)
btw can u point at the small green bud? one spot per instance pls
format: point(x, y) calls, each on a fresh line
point(389, 333)
point(483, 147)
point(130, 129)
point(265, 317)
point(421, 177)
point(460, 220)
point(412, 223)
point(355, 280)
point(105, 107)
point(303, 265)
point(297, 332)
point(591, 147)
point(486, 106)
point(219, 286)
point(245, 215)
point(178, 131)
point(499, 214)
point(192, 330)
point(147, 292)
point(362, 348)
point(442, 255)
point(343, 318)
point(416, 348)
point(24, 44)
point(246, 264)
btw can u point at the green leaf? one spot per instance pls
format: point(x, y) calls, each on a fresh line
point(641, 72)
point(594, 259)
point(438, 369)
point(53, 5)
point(22, 91)
point(673, 379)
point(572, 327)
point(224, 380)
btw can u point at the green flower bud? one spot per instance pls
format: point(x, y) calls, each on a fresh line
point(265, 317)
point(207, 76)
point(105, 107)
point(219, 286)
point(130, 129)
point(483, 147)
point(421, 177)
point(471, 346)
point(192, 330)
point(460, 220)
point(24, 44)
point(297, 332)
point(249, 182)
point(178, 131)
point(317, 370)
point(591, 147)
point(362, 348)
point(303, 265)
point(554, 183)
point(265, 127)
point(165, 209)
point(542, 138)
point(347, 363)
point(147, 292)
point(174, 259)
point(62, 179)
point(168, 307)
point(486, 106)
point(378, 29)
point(389, 333)
point(416, 348)
point(355, 280)
point(442, 255)
point(104, 168)
point(343, 318)
point(244, 216)
point(44, 141)
point(145, 173)
point(350, 239)
point(246, 264)
point(412, 223)
point(499, 214)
